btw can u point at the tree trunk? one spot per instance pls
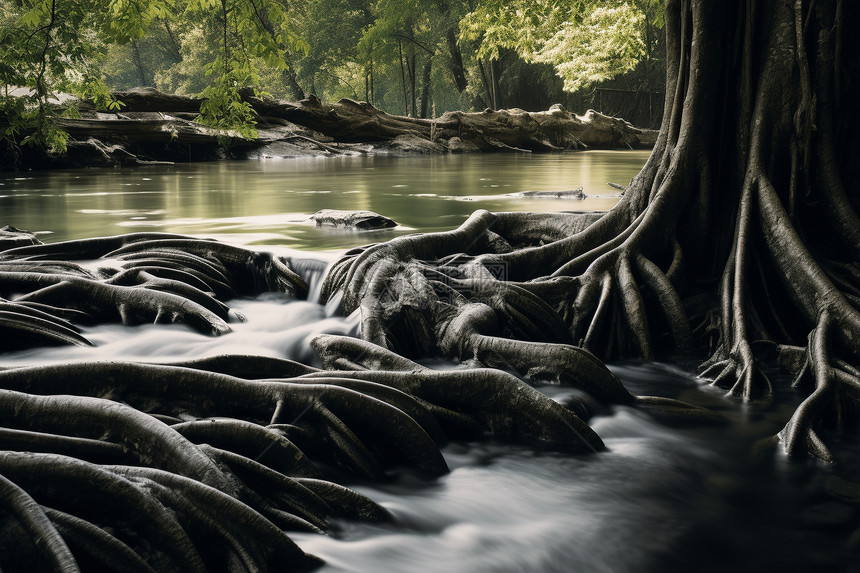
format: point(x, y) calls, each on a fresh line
point(494, 84)
point(457, 68)
point(155, 127)
point(413, 94)
point(488, 86)
point(425, 89)
point(142, 75)
point(403, 78)
point(740, 233)
point(289, 77)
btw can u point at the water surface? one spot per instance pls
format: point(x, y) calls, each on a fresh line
point(662, 498)
point(270, 201)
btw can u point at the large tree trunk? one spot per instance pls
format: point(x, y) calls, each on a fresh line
point(739, 235)
point(457, 68)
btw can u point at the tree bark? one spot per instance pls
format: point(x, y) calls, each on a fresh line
point(457, 68)
point(748, 200)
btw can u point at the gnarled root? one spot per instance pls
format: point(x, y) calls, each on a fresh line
point(48, 549)
point(187, 507)
point(738, 372)
point(501, 404)
point(800, 436)
point(364, 432)
point(145, 278)
point(158, 520)
point(25, 326)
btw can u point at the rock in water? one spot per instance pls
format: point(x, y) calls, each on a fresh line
point(362, 220)
point(10, 237)
point(566, 194)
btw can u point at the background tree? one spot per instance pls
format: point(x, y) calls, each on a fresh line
point(247, 31)
point(413, 37)
point(586, 42)
point(142, 62)
point(404, 57)
point(52, 47)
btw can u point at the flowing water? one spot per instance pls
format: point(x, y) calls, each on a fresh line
point(662, 498)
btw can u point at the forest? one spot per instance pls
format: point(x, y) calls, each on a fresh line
point(732, 256)
point(405, 58)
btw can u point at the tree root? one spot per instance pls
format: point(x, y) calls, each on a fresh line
point(53, 552)
point(96, 493)
point(740, 375)
point(144, 277)
point(331, 414)
point(221, 483)
point(96, 544)
point(257, 542)
point(800, 436)
point(24, 326)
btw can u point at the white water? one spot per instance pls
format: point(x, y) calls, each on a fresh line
point(660, 499)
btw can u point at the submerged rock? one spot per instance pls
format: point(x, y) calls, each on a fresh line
point(10, 237)
point(565, 194)
point(362, 220)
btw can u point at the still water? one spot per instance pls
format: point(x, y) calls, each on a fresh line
point(271, 201)
point(661, 498)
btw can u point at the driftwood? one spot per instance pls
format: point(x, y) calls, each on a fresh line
point(157, 127)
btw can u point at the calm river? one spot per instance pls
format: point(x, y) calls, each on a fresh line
point(660, 499)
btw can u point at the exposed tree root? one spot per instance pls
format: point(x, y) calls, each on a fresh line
point(739, 225)
point(141, 278)
point(52, 550)
point(97, 544)
point(744, 219)
point(235, 462)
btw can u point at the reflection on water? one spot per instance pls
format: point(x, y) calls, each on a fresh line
point(270, 201)
point(661, 499)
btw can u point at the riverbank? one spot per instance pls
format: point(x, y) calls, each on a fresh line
point(153, 127)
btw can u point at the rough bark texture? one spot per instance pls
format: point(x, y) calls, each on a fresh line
point(737, 242)
point(737, 239)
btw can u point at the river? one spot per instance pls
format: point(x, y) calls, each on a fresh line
point(661, 498)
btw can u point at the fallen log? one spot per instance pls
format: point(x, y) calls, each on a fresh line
point(156, 127)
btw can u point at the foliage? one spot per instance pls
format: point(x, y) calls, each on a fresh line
point(51, 48)
point(223, 107)
point(140, 61)
point(587, 41)
point(606, 43)
point(522, 25)
point(403, 56)
point(187, 75)
point(247, 32)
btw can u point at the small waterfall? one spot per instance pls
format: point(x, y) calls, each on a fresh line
point(312, 270)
